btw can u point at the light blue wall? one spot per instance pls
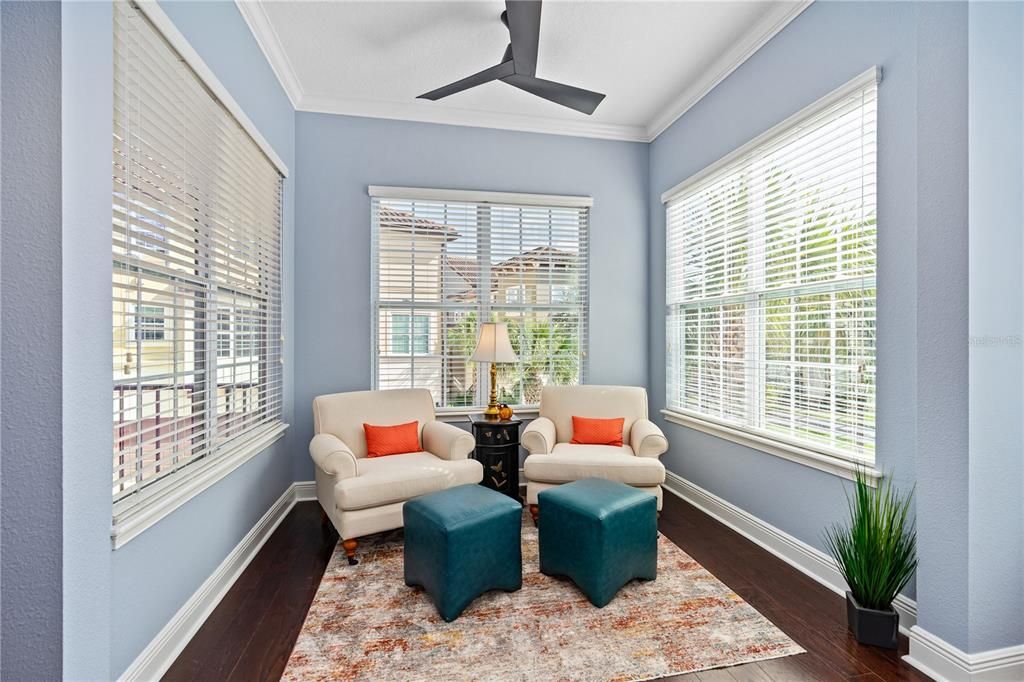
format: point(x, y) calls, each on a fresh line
point(823, 48)
point(30, 400)
point(996, 72)
point(340, 156)
point(85, 169)
point(942, 293)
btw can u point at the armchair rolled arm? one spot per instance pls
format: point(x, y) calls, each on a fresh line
point(646, 439)
point(332, 455)
point(539, 436)
point(447, 441)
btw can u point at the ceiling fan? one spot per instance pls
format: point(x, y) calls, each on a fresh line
point(518, 66)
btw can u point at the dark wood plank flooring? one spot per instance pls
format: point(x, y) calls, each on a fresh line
point(251, 632)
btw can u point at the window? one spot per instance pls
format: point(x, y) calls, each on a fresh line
point(149, 323)
point(406, 339)
point(443, 261)
point(770, 282)
point(196, 274)
point(223, 334)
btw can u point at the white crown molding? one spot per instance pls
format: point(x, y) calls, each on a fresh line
point(942, 661)
point(428, 112)
point(153, 661)
point(266, 37)
point(774, 21)
point(810, 561)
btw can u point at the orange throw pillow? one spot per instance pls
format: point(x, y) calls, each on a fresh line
point(597, 431)
point(392, 440)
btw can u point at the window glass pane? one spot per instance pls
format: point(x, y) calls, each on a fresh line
point(400, 334)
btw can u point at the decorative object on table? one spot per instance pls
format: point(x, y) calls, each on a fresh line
point(554, 459)
point(368, 498)
point(364, 624)
point(600, 534)
point(497, 449)
point(505, 412)
point(460, 543)
point(493, 346)
point(877, 554)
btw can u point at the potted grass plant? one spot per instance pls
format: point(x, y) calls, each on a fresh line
point(877, 553)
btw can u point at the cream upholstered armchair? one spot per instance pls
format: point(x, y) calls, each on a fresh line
point(555, 460)
point(362, 495)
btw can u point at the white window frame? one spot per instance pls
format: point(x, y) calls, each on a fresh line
point(815, 456)
point(165, 496)
point(478, 197)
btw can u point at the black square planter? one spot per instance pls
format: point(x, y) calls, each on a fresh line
point(870, 626)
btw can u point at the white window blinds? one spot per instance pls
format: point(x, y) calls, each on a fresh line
point(196, 271)
point(445, 261)
point(770, 281)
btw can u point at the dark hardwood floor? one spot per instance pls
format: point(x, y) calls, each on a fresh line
point(250, 634)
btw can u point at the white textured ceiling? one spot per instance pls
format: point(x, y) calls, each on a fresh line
point(652, 59)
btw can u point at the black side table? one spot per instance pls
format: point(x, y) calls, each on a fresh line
point(497, 449)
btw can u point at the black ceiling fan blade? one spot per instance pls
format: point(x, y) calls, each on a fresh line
point(524, 27)
point(581, 100)
point(486, 76)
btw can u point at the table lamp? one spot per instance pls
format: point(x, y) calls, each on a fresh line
point(493, 346)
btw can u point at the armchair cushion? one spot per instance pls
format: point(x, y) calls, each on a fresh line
point(647, 440)
point(332, 455)
point(446, 441)
point(569, 462)
point(397, 478)
point(539, 436)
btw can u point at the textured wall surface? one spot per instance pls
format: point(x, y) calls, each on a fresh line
point(87, 335)
point(942, 374)
point(340, 156)
point(996, 115)
point(30, 345)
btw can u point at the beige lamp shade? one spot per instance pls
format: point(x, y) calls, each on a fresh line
point(493, 344)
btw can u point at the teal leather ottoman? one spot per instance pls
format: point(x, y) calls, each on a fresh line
point(601, 534)
point(462, 542)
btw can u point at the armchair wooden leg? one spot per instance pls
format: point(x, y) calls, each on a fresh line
point(350, 551)
point(534, 513)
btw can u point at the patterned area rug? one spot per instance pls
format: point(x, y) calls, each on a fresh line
point(365, 624)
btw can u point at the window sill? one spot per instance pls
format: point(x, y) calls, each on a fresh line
point(462, 414)
point(816, 459)
point(164, 499)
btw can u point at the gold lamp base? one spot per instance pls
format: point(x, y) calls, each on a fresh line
point(492, 407)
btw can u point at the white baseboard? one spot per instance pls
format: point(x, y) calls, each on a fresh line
point(942, 661)
point(305, 491)
point(797, 553)
point(160, 653)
